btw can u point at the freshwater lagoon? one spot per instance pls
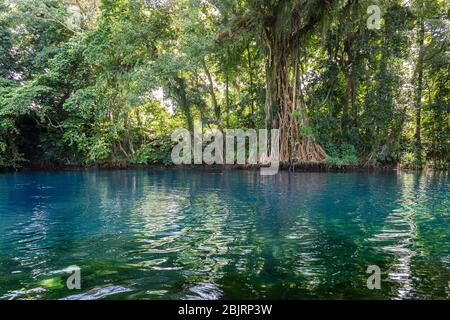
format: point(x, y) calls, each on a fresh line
point(187, 234)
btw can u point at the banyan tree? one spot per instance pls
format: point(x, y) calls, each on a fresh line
point(282, 27)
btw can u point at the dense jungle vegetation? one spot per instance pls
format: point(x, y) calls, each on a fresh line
point(95, 82)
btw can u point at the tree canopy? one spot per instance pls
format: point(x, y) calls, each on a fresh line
point(94, 82)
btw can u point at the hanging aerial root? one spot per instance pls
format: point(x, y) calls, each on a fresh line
point(308, 150)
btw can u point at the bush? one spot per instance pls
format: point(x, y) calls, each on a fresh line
point(342, 156)
point(158, 152)
point(408, 160)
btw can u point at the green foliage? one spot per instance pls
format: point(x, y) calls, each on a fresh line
point(408, 160)
point(114, 88)
point(158, 152)
point(143, 154)
point(297, 114)
point(306, 131)
point(342, 155)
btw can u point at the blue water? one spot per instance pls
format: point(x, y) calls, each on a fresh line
point(173, 234)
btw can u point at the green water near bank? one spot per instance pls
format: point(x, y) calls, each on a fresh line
point(173, 234)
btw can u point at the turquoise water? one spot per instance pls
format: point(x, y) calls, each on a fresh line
point(174, 234)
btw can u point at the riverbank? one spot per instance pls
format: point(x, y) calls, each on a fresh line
point(297, 167)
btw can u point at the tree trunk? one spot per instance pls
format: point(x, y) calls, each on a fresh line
point(184, 102)
point(216, 107)
point(252, 90)
point(353, 99)
point(418, 95)
point(284, 32)
point(350, 90)
point(284, 109)
point(227, 89)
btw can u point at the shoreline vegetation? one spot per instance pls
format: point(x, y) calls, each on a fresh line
point(298, 167)
point(105, 83)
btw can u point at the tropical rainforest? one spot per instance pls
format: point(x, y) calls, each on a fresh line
point(105, 82)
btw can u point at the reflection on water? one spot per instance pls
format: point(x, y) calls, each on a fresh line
point(98, 293)
point(174, 234)
point(397, 237)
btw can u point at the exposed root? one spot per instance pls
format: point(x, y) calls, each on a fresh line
point(308, 150)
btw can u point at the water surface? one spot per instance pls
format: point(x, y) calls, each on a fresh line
point(173, 234)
